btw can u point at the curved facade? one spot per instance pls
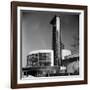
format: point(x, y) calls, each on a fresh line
point(40, 58)
point(65, 53)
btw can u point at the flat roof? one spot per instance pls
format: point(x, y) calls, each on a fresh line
point(41, 51)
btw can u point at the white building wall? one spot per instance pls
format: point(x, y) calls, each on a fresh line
point(65, 53)
point(44, 51)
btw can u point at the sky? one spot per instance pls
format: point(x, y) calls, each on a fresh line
point(37, 30)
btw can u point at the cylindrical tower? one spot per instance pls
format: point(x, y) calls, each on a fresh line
point(56, 40)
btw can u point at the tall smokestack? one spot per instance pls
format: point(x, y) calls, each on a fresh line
point(56, 42)
point(58, 29)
